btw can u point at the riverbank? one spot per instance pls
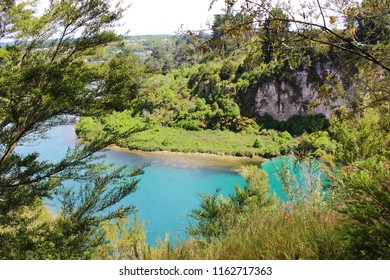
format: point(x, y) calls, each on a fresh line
point(193, 160)
point(264, 143)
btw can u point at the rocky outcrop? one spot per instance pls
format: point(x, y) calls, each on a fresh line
point(301, 94)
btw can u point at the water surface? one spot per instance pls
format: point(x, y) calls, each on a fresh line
point(168, 190)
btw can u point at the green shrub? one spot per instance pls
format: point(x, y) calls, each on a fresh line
point(227, 71)
point(258, 143)
point(189, 125)
point(166, 142)
point(285, 135)
point(365, 188)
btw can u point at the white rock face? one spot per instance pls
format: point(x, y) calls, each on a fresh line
point(282, 100)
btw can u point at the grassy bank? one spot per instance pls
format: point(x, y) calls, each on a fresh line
point(153, 137)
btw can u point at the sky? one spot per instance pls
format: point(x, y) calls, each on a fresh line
point(151, 17)
point(146, 17)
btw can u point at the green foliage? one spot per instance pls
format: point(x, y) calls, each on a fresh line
point(228, 70)
point(270, 26)
point(214, 214)
point(303, 184)
point(88, 128)
point(286, 135)
point(318, 145)
point(245, 124)
point(122, 79)
point(189, 125)
point(177, 95)
point(124, 239)
point(71, 234)
point(23, 235)
point(365, 188)
point(218, 93)
point(362, 150)
point(230, 108)
point(359, 137)
point(266, 233)
point(258, 144)
point(275, 27)
point(209, 217)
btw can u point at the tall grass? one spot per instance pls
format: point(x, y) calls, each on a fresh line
point(275, 234)
point(271, 234)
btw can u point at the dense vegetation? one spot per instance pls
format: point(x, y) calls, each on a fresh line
point(193, 93)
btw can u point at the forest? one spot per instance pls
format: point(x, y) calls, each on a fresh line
point(266, 80)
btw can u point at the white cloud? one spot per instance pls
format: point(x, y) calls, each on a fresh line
point(166, 16)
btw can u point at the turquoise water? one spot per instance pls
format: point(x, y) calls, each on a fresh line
point(166, 193)
point(304, 175)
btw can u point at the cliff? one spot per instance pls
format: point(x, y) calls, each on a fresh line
point(319, 90)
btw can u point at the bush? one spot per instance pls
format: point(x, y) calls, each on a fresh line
point(166, 142)
point(253, 224)
point(227, 71)
point(286, 135)
point(365, 187)
point(297, 124)
point(258, 143)
point(189, 125)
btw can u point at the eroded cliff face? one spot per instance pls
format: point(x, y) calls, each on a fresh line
point(301, 93)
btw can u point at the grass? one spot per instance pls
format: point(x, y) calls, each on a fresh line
point(159, 138)
point(205, 141)
point(276, 234)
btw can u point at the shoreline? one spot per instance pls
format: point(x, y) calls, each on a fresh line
point(193, 160)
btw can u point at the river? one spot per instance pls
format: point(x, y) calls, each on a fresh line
point(169, 189)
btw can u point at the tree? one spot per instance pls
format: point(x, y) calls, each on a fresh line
point(219, 38)
point(45, 77)
point(370, 23)
point(274, 28)
point(227, 71)
point(122, 80)
point(359, 138)
point(319, 21)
